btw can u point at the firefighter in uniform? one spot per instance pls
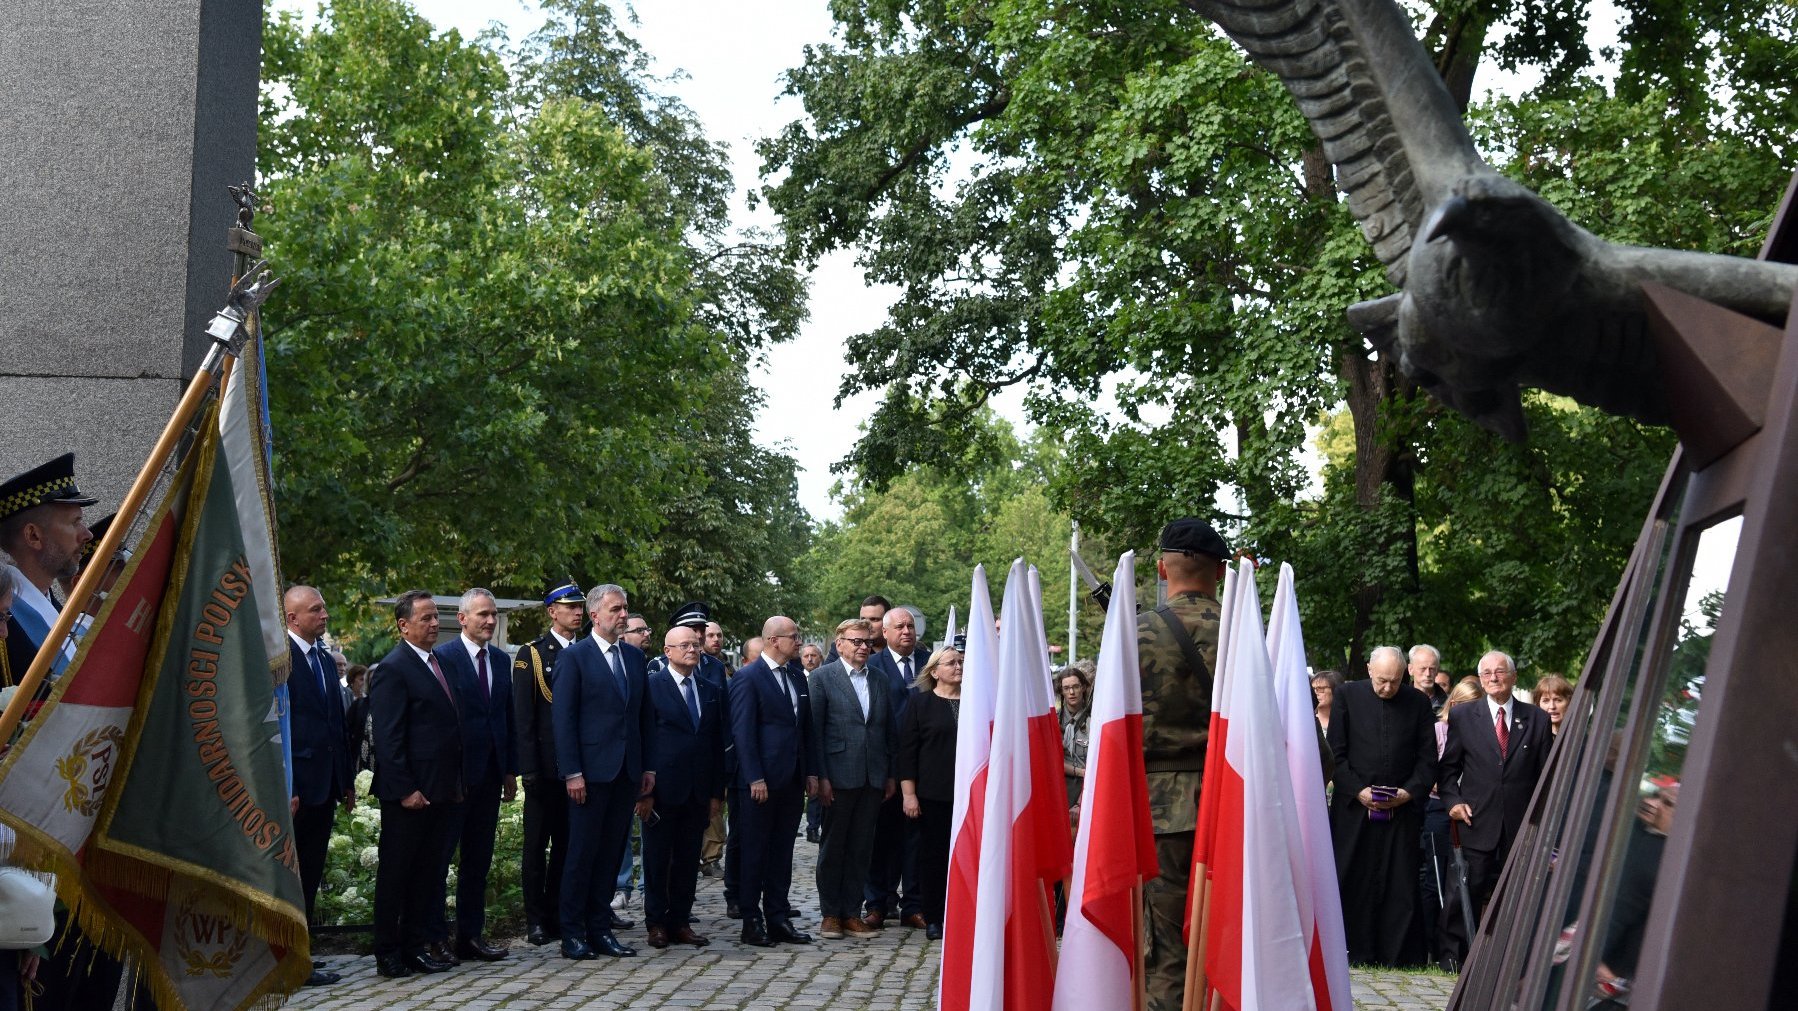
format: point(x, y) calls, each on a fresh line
point(545, 798)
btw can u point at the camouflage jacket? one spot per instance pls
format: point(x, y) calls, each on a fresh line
point(1176, 706)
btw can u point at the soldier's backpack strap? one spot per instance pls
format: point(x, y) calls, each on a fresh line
point(1183, 640)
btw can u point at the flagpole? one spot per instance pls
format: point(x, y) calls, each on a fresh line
point(1073, 592)
point(1139, 994)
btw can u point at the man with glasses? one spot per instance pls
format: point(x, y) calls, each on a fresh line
point(895, 863)
point(852, 720)
point(689, 745)
point(771, 727)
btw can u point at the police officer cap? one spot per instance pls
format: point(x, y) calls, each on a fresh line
point(693, 614)
point(98, 528)
point(49, 482)
point(567, 593)
point(1193, 536)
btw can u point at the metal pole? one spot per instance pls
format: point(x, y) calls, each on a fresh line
point(1073, 595)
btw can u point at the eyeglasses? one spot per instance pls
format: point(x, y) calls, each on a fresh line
point(857, 642)
point(683, 645)
point(781, 635)
point(637, 631)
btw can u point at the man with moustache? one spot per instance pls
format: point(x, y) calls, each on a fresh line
point(605, 751)
point(545, 799)
point(478, 671)
point(771, 726)
point(321, 760)
point(689, 746)
point(418, 778)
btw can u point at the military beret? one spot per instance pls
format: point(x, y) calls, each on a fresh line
point(49, 482)
point(1192, 536)
point(693, 614)
point(567, 593)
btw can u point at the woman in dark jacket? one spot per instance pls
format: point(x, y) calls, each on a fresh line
point(927, 775)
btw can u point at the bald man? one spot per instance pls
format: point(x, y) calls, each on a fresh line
point(322, 778)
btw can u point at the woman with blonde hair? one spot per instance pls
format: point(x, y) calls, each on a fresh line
point(927, 775)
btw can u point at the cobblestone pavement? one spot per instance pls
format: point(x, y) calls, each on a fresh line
point(895, 970)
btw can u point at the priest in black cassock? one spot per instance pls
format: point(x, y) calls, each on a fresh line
point(1385, 751)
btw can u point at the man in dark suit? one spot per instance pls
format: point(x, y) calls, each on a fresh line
point(480, 674)
point(689, 747)
point(605, 751)
point(545, 799)
point(321, 760)
point(893, 873)
point(770, 720)
point(418, 778)
point(852, 721)
point(1493, 755)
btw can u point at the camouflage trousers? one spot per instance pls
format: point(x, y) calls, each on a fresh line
point(1164, 899)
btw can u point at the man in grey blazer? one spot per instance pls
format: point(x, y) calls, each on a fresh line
point(854, 724)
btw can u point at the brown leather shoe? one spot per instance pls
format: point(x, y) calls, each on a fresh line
point(854, 926)
point(658, 937)
point(916, 921)
point(875, 919)
point(831, 929)
point(686, 935)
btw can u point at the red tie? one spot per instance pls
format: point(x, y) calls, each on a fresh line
point(1503, 732)
point(481, 663)
point(432, 658)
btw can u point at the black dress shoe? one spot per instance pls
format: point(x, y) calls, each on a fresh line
point(479, 950)
point(812, 836)
point(732, 910)
point(620, 923)
point(606, 944)
point(577, 949)
point(755, 935)
point(693, 918)
point(440, 950)
point(784, 932)
point(537, 935)
point(392, 966)
point(934, 932)
point(420, 961)
point(322, 977)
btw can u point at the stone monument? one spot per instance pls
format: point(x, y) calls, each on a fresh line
point(124, 122)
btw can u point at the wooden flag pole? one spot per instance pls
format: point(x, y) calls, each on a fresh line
point(1139, 991)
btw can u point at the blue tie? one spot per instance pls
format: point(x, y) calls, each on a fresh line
point(617, 666)
point(318, 667)
point(686, 688)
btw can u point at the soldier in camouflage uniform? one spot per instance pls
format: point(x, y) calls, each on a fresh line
point(1176, 705)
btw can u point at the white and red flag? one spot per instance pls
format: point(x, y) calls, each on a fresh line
point(1254, 944)
point(1101, 943)
point(1014, 925)
point(1320, 900)
point(973, 744)
point(1048, 770)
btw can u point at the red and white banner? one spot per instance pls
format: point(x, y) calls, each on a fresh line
point(1255, 947)
point(973, 744)
point(1320, 899)
point(1101, 946)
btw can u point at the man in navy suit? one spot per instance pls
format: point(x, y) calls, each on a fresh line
point(1493, 755)
point(895, 862)
point(689, 747)
point(605, 751)
point(321, 760)
point(771, 720)
point(418, 778)
point(480, 674)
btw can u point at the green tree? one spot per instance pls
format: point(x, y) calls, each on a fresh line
point(498, 355)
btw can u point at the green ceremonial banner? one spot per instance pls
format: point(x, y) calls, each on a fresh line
point(200, 826)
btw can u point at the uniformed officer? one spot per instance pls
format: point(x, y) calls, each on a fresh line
point(41, 528)
point(545, 798)
point(1177, 653)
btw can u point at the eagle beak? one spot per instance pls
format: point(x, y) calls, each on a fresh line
point(1451, 216)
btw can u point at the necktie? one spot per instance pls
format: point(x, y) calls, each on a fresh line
point(318, 667)
point(480, 666)
point(443, 683)
point(786, 682)
point(1504, 733)
point(617, 666)
point(686, 687)
point(905, 670)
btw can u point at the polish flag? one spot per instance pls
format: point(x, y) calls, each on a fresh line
point(1048, 770)
point(1101, 945)
point(1320, 901)
point(1254, 945)
point(973, 744)
point(1014, 926)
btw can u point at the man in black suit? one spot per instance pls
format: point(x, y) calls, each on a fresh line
point(321, 760)
point(689, 747)
point(1491, 760)
point(545, 799)
point(771, 719)
point(893, 873)
point(418, 778)
point(852, 721)
point(605, 751)
point(479, 673)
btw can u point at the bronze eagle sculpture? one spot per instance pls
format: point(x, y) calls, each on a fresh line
point(1498, 289)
